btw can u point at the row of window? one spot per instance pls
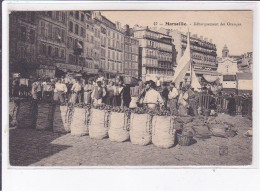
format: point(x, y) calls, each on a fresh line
point(92, 53)
point(77, 30)
point(132, 41)
point(52, 32)
point(74, 43)
point(159, 71)
point(115, 55)
point(51, 51)
point(132, 73)
point(133, 49)
point(150, 62)
point(78, 15)
point(26, 35)
point(115, 44)
point(25, 52)
point(131, 57)
point(57, 15)
point(129, 65)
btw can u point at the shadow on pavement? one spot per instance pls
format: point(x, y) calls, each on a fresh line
point(27, 146)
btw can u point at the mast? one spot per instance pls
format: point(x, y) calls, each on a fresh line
point(190, 59)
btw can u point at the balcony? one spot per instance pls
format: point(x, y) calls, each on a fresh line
point(150, 56)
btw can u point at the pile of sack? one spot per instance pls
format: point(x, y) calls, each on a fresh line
point(205, 127)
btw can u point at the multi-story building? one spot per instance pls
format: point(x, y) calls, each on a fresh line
point(155, 53)
point(203, 52)
point(97, 44)
point(51, 39)
point(22, 53)
point(76, 38)
point(245, 64)
point(112, 46)
point(131, 53)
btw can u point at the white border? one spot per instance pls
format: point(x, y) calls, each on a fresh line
point(118, 177)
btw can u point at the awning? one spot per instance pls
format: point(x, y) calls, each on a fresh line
point(244, 76)
point(211, 78)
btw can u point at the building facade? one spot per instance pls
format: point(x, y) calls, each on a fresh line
point(203, 52)
point(155, 54)
point(131, 53)
point(22, 42)
point(76, 31)
point(111, 46)
point(51, 39)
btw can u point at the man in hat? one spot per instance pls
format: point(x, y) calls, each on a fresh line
point(98, 93)
point(152, 97)
point(173, 98)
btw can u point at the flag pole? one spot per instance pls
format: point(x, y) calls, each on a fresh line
point(190, 59)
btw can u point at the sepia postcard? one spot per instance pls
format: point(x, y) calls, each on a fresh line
point(130, 88)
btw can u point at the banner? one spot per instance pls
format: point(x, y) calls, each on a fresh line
point(183, 65)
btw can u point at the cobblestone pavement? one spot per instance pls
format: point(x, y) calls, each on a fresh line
point(44, 148)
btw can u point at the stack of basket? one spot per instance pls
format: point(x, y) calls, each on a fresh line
point(45, 116)
point(26, 114)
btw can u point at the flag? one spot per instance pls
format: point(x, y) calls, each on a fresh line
point(59, 37)
point(183, 65)
point(79, 45)
point(195, 82)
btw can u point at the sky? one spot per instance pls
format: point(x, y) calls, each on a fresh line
point(215, 25)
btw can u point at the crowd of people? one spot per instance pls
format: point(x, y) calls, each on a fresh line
point(182, 100)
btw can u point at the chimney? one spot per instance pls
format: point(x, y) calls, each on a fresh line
point(127, 30)
point(210, 40)
point(206, 39)
point(118, 25)
point(201, 37)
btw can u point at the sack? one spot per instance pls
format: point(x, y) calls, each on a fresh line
point(222, 130)
point(140, 129)
point(78, 124)
point(186, 119)
point(62, 119)
point(199, 121)
point(202, 131)
point(98, 124)
point(26, 115)
point(45, 115)
point(118, 130)
point(163, 133)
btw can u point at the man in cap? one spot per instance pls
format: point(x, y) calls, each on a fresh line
point(152, 97)
point(173, 98)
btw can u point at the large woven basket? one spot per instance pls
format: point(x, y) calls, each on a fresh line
point(26, 115)
point(45, 115)
point(184, 140)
